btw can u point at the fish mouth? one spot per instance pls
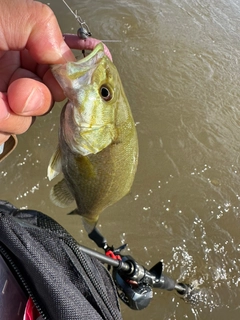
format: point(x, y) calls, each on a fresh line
point(78, 71)
point(98, 49)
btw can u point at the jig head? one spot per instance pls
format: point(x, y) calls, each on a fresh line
point(84, 31)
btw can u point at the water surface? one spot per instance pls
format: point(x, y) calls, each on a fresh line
point(179, 63)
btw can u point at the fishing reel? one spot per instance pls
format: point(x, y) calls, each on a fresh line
point(135, 285)
point(134, 282)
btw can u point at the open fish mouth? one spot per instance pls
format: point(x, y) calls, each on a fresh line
point(74, 76)
point(90, 60)
point(74, 73)
point(99, 48)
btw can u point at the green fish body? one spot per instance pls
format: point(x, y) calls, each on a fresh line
point(98, 147)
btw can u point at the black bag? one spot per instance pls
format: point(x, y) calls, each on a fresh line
point(63, 282)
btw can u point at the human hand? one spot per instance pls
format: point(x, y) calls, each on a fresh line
point(30, 41)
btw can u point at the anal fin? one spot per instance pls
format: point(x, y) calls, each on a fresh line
point(61, 195)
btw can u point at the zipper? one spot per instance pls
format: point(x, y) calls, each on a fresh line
point(72, 245)
point(91, 276)
point(81, 258)
point(18, 274)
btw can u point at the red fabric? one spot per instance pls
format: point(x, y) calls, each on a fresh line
point(31, 312)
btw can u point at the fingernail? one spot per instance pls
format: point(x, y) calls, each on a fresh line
point(1, 148)
point(34, 101)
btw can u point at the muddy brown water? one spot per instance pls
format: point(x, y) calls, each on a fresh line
point(179, 63)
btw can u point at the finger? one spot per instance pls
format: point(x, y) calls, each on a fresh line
point(27, 62)
point(43, 74)
point(34, 27)
point(52, 84)
point(46, 44)
point(11, 123)
point(29, 97)
point(74, 42)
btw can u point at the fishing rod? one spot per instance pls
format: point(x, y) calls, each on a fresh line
point(134, 282)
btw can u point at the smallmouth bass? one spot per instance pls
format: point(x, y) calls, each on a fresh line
point(98, 148)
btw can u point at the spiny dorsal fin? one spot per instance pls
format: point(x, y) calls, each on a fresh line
point(61, 195)
point(55, 165)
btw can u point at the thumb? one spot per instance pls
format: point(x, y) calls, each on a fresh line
point(35, 27)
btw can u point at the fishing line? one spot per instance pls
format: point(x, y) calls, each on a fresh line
point(84, 31)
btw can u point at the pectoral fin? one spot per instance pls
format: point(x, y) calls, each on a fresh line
point(61, 195)
point(55, 165)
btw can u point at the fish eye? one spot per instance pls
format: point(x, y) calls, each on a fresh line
point(105, 93)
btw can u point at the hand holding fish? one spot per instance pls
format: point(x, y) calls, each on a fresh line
point(98, 149)
point(30, 40)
